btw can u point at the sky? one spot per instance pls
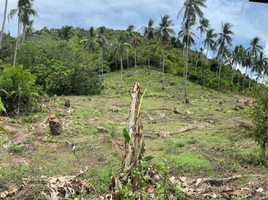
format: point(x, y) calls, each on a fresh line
point(248, 19)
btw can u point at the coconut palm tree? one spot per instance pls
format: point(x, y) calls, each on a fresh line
point(22, 4)
point(209, 43)
point(148, 32)
point(191, 9)
point(3, 25)
point(27, 12)
point(135, 43)
point(261, 64)
point(163, 33)
point(129, 35)
point(187, 35)
point(223, 40)
point(120, 48)
point(102, 43)
point(254, 51)
point(203, 28)
point(91, 42)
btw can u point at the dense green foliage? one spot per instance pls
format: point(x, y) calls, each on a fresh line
point(260, 121)
point(17, 87)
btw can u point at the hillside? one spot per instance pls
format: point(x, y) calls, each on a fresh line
point(200, 141)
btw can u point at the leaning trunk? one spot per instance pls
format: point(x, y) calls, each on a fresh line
point(3, 26)
point(197, 59)
point(163, 67)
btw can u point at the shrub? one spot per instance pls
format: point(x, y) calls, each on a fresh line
point(260, 121)
point(17, 87)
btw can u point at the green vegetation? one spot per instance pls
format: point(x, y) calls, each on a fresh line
point(260, 121)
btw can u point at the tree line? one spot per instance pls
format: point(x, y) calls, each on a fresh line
point(73, 60)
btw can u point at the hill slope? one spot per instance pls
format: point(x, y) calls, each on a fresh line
point(200, 141)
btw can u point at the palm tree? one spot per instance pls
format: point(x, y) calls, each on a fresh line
point(102, 43)
point(223, 40)
point(247, 62)
point(21, 6)
point(187, 35)
point(91, 42)
point(163, 33)
point(3, 26)
point(261, 64)
point(65, 32)
point(209, 43)
point(120, 48)
point(135, 43)
point(129, 35)
point(203, 27)
point(235, 60)
point(191, 10)
point(254, 50)
point(148, 32)
point(27, 12)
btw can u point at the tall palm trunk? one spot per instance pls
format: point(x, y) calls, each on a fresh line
point(127, 62)
point(219, 76)
point(207, 59)
point(197, 60)
point(121, 63)
point(233, 75)
point(245, 76)
point(186, 64)
point(3, 26)
point(149, 62)
point(24, 32)
point(18, 39)
point(249, 84)
point(163, 67)
point(135, 58)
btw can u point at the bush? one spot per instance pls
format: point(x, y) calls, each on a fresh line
point(260, 121)
point(17, 87)
point(59, 78)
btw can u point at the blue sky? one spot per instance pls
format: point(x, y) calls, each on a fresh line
point(248, 19)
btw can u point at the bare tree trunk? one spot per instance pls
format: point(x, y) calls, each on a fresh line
point(127, 62)
point(121, 63)
point(249, 84)
point(149, 62)
point(18, 41)
point(3, 26)
point(186, 66)
point(24, 32)
point(219, 76)
point(233, 76)
point(135, 149)
point(245, 76)
point(207, 59)
point(135, 58)
point(163, 67)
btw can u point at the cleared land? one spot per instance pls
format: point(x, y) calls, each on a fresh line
point(200, 141)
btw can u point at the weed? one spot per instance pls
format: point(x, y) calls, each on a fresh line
point(15, 148)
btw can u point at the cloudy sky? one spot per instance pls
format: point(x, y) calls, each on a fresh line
point(248, 19)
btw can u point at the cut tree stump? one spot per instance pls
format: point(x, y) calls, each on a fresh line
point(55, 126)
point(135, 149)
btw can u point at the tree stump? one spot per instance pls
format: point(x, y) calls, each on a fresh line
point(135, 149)
point(55, 126)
